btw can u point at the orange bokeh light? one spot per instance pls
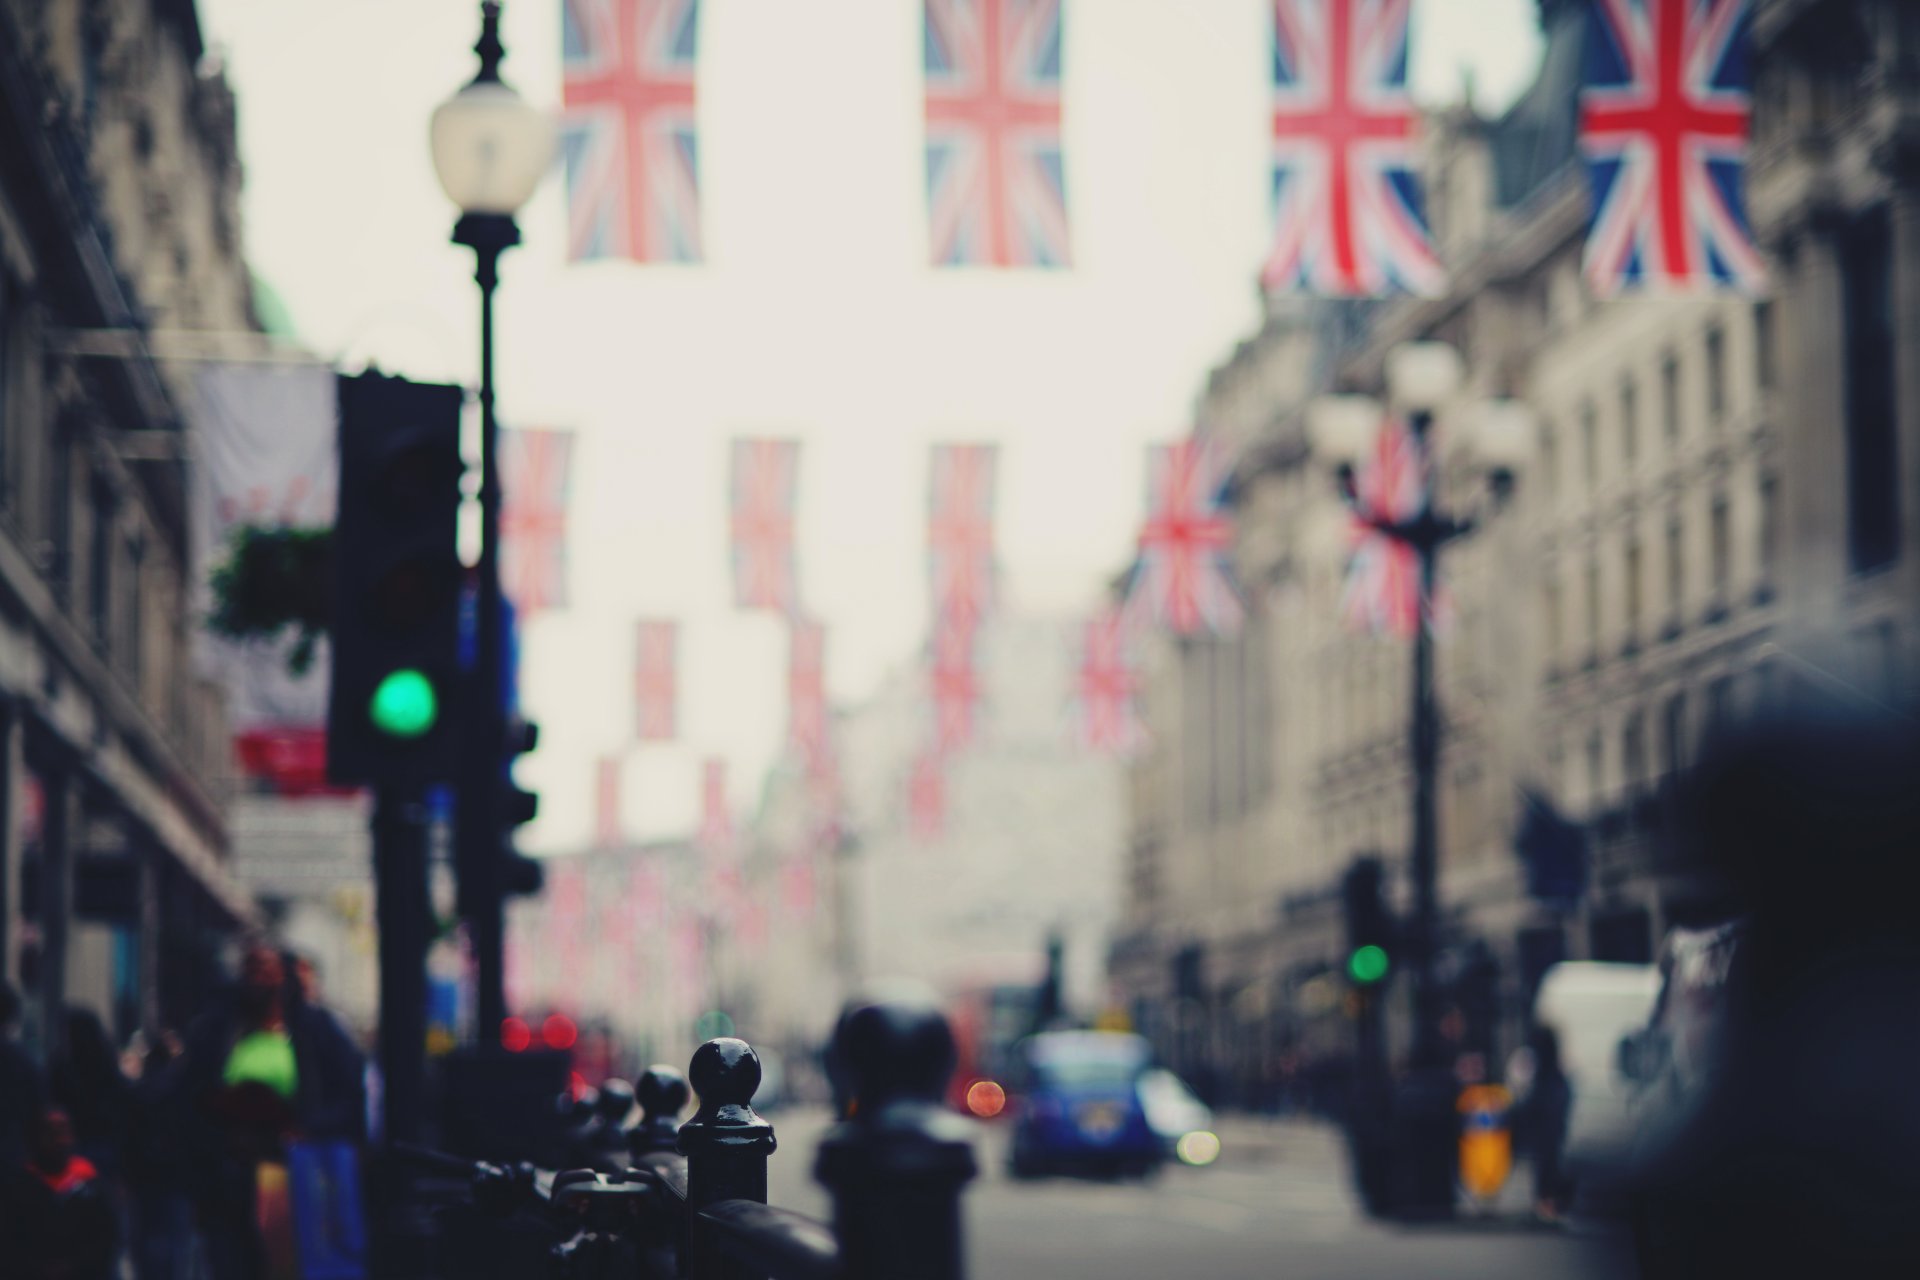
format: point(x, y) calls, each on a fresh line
point(986, 1099)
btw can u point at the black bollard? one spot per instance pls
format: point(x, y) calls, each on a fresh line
point(897, 1164)
point(662, 1094)
point(726, 1146)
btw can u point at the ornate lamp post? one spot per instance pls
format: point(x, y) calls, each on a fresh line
point(490, 150)
point(1421, 378)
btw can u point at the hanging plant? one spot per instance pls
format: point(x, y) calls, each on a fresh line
point(274, 579)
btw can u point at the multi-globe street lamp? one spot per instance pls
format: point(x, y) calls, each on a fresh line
point(1494, 438)
point(490, 149)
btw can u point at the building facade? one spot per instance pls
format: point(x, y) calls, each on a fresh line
point(119, 185)
point(1709, 522)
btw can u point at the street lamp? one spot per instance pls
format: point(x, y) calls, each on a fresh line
point(1421, 378)
point(490, 150)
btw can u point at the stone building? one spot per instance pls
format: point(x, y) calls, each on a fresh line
point(119, 185)
point(1709, 521)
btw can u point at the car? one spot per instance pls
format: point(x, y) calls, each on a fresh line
point(1078, 1107)
point(1591, 1006)
point(1184, 1123)
point(1672, 1058)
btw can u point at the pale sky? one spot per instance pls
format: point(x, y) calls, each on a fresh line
point(814, 317)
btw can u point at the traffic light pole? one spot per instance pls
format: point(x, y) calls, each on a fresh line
point(405, 914)
point(478, 820)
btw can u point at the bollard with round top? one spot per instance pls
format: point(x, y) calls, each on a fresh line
point(725, 1143)
point(897, 1163)
point(662, 1093)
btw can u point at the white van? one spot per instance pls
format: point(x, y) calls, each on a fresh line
point(1591, 1006)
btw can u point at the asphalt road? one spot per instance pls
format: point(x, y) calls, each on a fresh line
point(1277, 1206)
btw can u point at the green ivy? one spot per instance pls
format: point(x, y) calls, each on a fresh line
point(273, 579)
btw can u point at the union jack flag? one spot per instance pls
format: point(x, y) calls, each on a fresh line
point(927, 796)
point(535, 473)
point(1349, 217)
point(1383, 585)
point(763, 481)
point(1182, 579)
point(1663, 126)
point(606, 803)
point(628, 131)
point(960, 531)
point(716, 819)
point(807, 691)
point(655, 687)
point(955, 686)
point(1106, 716)
point(996, 177)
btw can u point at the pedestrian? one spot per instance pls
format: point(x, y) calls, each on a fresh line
point(157, 1165)
point(1544, 1122)
point(22, 1089)
point(56, 1222)
point(263, 1069)
point(86, 1081)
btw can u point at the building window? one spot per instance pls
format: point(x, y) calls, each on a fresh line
point(1593, 608)
point(1716, 376)
point(1590, 444)
point(1721, 534)
point(1763, 351)
point(1596, 765)
point(1555, 637)
point(1769, 531)
point(1676, 570)
point(1634, 598)
point(1873, 493)
point(1633, 753)
point(1719, 705)
point(100, 567)
point(1673, 733)
point(1629, 419)
point(1670, 396)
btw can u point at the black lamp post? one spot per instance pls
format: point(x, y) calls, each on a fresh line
point(490, 149)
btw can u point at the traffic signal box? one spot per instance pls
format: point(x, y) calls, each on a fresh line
point(520, 875)
point(1370, 932)
point(397, 579)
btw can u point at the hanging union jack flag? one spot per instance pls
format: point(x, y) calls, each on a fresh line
point(996, 177)
point(764, 476)
point(807, 691)
point(1106, 718)
point(655, 686)
point(960, 531)
point(1664, 121)
point(1349, 218)
point(535, 474)
point(1383, 574)
point(927, 796)
point(1182, 579)
point(628, 132)
point(955, 686)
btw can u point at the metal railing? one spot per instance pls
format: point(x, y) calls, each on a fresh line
point(691, 1199)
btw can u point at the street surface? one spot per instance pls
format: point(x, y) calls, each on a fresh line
point(1277, 1206)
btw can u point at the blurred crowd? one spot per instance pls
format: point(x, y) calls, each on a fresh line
point(170, 1158)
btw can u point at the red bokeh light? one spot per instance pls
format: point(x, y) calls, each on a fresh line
point(515, 1035)
point(559, 1032)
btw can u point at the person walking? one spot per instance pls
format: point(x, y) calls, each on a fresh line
point(56, 1222)
point(157, 1165)
point(1544, 1116)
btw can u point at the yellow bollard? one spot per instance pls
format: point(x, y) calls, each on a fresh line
point(1486, 1140)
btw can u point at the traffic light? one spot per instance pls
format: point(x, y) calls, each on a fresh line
point(1369, 926)
point(520, 876)
point(396, 583)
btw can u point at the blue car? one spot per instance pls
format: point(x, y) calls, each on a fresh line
point(1078, 1106)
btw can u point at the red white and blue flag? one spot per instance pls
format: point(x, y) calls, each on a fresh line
point(807, 692)
point(1182, 578)
point(535, 472)
point(1349, 216)
point(1106, 686)
point(628, 130)
point(763, 480)
point(1383, 587)
point(996, 176)
point(656, 693)
point(1664, 117)
point(960, 500)
point(955, 687)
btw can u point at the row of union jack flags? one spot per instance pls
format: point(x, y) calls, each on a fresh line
point(1663, 132)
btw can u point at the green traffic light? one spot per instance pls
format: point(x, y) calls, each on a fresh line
point(1367, 965)
point(404, 704)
